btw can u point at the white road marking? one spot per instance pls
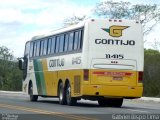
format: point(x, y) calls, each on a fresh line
point(138, 111)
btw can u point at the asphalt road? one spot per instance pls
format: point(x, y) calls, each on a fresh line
point(18, 107)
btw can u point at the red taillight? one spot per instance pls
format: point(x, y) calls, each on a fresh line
point(86, 74)
point(140, 77)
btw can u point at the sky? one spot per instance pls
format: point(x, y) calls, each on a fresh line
point(20, 20)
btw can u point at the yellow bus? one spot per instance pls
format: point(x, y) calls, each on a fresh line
point(99, 59)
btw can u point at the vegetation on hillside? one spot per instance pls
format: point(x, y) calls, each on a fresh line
point(10, 75)
point(152, 73)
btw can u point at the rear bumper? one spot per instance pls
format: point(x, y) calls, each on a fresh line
point(112, 91)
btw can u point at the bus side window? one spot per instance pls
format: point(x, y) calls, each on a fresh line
point(80, 39)
point(53, 45)
point(31, 50)
point(66, 42)
point(49, 45)
point(76, 39)
point(27, 47)
point(38, 48)
point(57, 44)
point(45, 47)
point(61, 45)
point(71, 36)
point(41, 50)
point(35, 48)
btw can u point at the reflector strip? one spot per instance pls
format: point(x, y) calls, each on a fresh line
point(113, 73)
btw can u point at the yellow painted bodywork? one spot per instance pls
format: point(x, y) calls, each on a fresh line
point(109, 79)
point(50, 78)
point(113, 91)
point(104, 85)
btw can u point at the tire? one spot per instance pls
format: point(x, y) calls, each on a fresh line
point(33, 98)
point(111, 102)
point(61, 94)
point(102, 102)
point(70, 100)
point(117, 102)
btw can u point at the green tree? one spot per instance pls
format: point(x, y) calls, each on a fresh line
point(151, 73)
point(149, 15)
point(73, 20)
point(5, 57)
point(151, 52)
point(10, 75)
point(113, 10)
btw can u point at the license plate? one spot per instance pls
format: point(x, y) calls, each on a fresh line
point(117, 78)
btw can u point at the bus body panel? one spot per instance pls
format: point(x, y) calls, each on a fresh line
point(115, 58)
point(112, 91)
point(46, 72)
point(103, 43)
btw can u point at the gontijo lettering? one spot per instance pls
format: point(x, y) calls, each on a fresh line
point(115, 42)
point(56, 63)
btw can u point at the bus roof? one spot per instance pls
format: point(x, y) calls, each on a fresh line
point(72, 27)
point(58, 31)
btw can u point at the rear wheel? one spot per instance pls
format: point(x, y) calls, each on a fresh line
point(33, 98)
point(117, 102)
point(102, 102)
point(70, 100)
point(61, 94)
